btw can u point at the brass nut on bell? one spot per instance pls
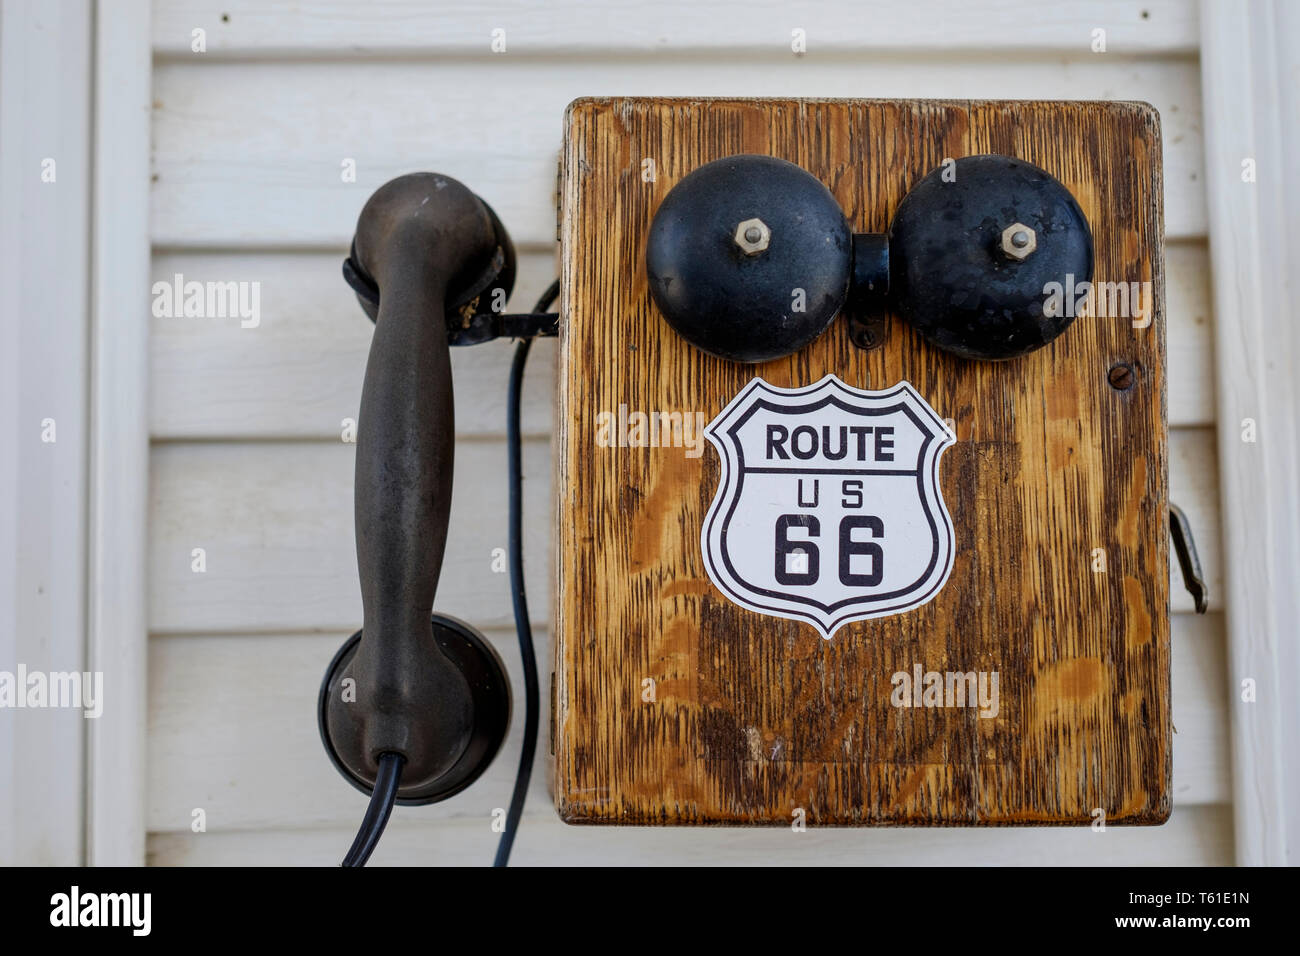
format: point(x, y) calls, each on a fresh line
point(1018, 241)
point(753, 236)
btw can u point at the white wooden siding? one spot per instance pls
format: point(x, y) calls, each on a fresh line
point(247, 460)
point(1192, 837)
point(45, 115)
point(341, 28)
point(1252, 69)
point(249, 152)
point(116, 633)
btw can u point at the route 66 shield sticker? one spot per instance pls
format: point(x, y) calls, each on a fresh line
point(829, 508)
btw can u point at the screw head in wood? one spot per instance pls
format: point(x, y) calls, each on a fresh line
point(1121, 377)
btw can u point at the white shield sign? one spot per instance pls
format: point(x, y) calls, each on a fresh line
point(829, 508)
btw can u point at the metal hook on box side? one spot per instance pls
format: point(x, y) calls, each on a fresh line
point(1190, 562)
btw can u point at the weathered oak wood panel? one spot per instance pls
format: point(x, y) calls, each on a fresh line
point(755, 717)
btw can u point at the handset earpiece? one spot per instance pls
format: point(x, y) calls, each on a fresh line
point(486, 288)
point(750, 258)
point(414, 688)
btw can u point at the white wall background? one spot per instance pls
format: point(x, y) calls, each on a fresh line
point(44, 133)
point(248, 141)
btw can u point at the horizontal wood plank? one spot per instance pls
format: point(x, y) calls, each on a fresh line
point(1189, 317)
point(337, 28)
point(250, 700)
point(298, 373)
point(1194, 836)
point(229, 175)
point(275, 521)
point(1198, 682)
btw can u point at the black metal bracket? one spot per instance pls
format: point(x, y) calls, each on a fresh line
point(869, 291)
point(1188, 559)
point(486, 326)
point(465, 326)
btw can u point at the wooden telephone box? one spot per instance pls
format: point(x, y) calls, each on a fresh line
point(674, 704)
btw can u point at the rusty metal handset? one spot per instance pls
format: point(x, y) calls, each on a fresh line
point(415, 705)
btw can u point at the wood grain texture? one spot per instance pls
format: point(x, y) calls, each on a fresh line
point(756, 717)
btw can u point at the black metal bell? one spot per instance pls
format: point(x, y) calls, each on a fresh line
point(749, 258)
point(972, 253)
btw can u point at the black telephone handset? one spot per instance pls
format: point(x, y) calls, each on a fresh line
point(414, 706)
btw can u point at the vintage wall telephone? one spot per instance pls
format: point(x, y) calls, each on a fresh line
point(730, 630)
